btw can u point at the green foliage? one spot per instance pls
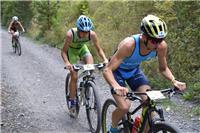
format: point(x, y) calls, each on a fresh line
point(115, 20)
point(45, 13)
point(22, 9)
point(196, 110)
point(193, 92)
point(83, 6)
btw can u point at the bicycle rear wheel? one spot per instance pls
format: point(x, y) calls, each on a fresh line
point(108, 107)
point(68, 79)
point(18, 47)
point(93, 107)
point(163, 127)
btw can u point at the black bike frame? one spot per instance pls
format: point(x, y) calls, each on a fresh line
point(151, 106)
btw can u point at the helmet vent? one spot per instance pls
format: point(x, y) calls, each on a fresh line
point(84, 23)
point(155, 29)
point(149, 30)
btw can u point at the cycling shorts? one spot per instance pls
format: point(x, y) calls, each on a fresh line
point(137, 79)
point(16, 33)
point(75, 54)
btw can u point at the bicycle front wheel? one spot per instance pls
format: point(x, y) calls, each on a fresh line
point(14, 47)
point(108, 108)
point(163, 127)
point(18, 47)
point(93, 107)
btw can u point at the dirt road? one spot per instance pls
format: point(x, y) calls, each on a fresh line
point(33, 96)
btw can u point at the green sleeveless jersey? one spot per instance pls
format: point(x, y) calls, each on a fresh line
point(78, 42)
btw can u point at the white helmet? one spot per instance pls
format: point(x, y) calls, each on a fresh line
point(15, 18)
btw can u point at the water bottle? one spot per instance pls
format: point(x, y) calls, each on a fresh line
point(136, 124)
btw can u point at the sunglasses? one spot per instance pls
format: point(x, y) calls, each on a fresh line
point(155, 41)
point(84, 31)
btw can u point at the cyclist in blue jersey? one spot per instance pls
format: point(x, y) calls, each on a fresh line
point(75, 48)
point(125, 64)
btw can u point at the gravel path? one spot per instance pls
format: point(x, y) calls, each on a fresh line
point(33, 99)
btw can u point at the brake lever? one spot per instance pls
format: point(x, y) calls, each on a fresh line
point(76, 67)
point(174, 91)
point(100, 65)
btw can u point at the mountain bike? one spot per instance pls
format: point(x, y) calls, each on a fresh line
point(16, 44)
point(151, 114)
point(86, 94)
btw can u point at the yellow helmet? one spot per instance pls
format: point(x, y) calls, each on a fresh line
point(154, 27)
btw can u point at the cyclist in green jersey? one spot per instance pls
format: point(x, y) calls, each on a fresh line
point(75, 48)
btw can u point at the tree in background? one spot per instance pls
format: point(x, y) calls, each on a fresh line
point(45, 12)
point(22, 9)
point(185, 50)
point(114, 20)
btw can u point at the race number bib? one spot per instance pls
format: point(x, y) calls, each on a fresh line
point(155, 95)
point(88, 67)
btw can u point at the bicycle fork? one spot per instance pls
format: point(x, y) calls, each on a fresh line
point(81, 94)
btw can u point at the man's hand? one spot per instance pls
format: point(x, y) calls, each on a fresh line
point(105, 61)
point(121, 91)
point(69, 67)
point(180, 85)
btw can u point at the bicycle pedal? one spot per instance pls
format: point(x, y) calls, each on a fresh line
point(83, 103)
point(72, 113)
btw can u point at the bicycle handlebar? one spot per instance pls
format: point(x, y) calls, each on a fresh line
point(133, 95)
point(86, 67)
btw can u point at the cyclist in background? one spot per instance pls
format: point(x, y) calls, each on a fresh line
point(75, 48)
point(14, 26)
point(125, 64)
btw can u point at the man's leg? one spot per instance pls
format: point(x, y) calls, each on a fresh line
point(73, 85)
point(123, 107)
point(73, 58)
point(143, 89)
point(122, 103)
point(140, 83)
point(88, 59)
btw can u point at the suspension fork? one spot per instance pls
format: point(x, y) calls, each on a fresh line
point(151, 117)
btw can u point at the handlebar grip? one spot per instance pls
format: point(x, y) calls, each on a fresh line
point(113, 91)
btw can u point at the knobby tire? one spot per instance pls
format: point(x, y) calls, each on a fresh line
point(111, 102)
point(91, 90)
point(18, 47)
point(67, 81)
point(164, 127)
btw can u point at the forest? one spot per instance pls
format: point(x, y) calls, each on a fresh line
point(48, 21)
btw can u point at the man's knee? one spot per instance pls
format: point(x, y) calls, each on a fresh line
point(74, 76)
point(124, 108)
point(143, 89)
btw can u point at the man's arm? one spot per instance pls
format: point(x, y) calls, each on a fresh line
point(163, 67)
point(21, 26)
point(9, 27)
point(100, 51)
point(124, 50)
point(67, 43)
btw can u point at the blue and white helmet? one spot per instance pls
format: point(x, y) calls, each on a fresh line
point(84, 23)
point(15, 18)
